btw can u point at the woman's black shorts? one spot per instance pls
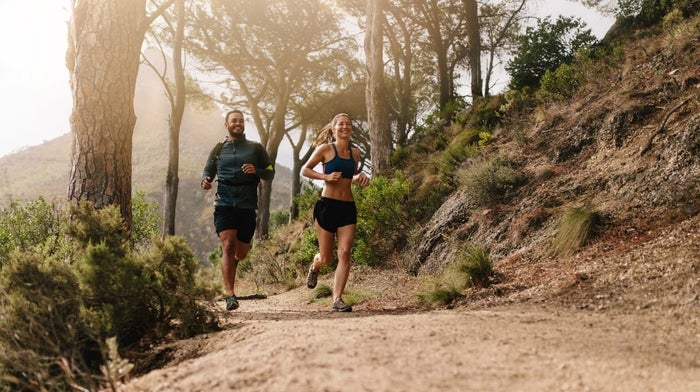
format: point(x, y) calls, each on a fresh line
point(332, 214)
point(233, 218)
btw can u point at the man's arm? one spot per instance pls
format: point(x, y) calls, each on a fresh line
point(264, 169)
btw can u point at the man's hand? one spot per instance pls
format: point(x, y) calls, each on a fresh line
point(206, 183)
point(248, 168)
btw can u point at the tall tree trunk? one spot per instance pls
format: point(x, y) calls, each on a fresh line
point(263, 215)
point(443, 68)
point(262, 229)
point(172, 179)
point(377, 111)
point(105, 38)
point(296, 189)
point(297, 162)
point(472, 13)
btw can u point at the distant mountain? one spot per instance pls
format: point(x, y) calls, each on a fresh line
point(43, 170)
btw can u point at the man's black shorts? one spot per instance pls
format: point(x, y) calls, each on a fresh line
point(332, 214)
point(234, 218)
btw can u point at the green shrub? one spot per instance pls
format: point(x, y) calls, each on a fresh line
point(146, 218)
point(321, 291)
point(68, 295)
point(308, 196)
point(278, 218)
point(399, 156)
point(462, 147)
point(24, 227)
point(545, 47)
point(427, 198)
point(474, 263)
point(382, 216)
point(89, 225)
point(562, 83)
point(304, 249)
point(439, 292)
point(575, 230)
point(117, 296)
point(490, 180)
point(485, 113)
point(643, 12)
point(172, 270)
point(44, 342)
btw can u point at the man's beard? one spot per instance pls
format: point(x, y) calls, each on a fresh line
point(236, 135)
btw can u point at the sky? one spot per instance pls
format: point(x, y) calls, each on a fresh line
point(34, 87)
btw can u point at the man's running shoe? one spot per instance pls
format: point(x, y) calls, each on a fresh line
point(231, 302)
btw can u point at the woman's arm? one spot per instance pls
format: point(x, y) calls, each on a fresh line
point(359, 177)
point(316, 158)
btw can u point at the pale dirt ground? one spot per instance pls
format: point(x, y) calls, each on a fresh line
point(621, 315)
point(285, 343)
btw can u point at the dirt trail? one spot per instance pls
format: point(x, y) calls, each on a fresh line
point(283, 343)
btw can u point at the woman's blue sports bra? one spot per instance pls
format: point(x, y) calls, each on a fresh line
point(346, 166)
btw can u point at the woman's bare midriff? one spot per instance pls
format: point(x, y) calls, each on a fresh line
point(338, 190)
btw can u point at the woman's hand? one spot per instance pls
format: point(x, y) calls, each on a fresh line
point(361, 178)
point(332, 177)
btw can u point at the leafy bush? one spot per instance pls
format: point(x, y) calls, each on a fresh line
point(382, 217)
point(563, 82)
point(485, 113)
point(146, 218)
point(490, 180)
point(575, 230)
point(308, 196)
point(278, 219)
point(427, 198)
point(517, 102)
point(61, 300)
point(545, 47)
point(172, 271)
point(23, 227)
point(643, 12)
point(44, 342)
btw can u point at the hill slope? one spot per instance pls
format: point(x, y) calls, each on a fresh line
point(626, 146)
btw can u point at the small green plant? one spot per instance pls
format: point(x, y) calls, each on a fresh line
point(474, 263)
point(575, 230)
point(116, 369)
point(146, 218)
point(462, 147)
point(561, 83)
point(320, 291)
point(484, 138)
point(490, 180)
point(308, 196)
point(439, 292)
point(278, 219)
point(24, 227)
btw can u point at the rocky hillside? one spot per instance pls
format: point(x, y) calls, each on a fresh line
point(626, 146)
